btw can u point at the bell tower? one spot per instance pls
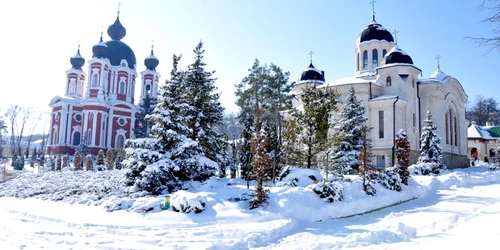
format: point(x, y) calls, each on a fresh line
point(75, 77)
point(150, 77)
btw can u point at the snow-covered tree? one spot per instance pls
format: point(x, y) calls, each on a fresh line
point(168, 157)
point(89, 163)
point(313, 120)
point(403, 156)
point(345, 153)
point(245, 155)
point(120, 156)
point(430, 148)
point(77, 162)
point(366, 169)
point(261, 163)
point(65, 162)
point(233, 166)
point(205, 112)
point(144, 125)
point(58, 162)
point(100, 160)
point(109, 159)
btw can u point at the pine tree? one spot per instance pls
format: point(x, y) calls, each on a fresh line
point(77, 161)
point(261, 163)
point(120, 156)
point(169, 156)
point(430, 148)
point(366, 169)
point(100, 160)
point(313, 120)
point(234, 159)
point(109, 159)
point(34, 154)
point(205, 112)
point(245, 155)
point(403, 156)
point(144, 125)
point(292, 147)
point(345, 153)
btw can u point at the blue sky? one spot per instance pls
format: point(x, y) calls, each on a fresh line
point(39, 37)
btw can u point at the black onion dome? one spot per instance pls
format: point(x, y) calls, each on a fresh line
point(99, 49)
point(118, 50)
point(375, 31)
point(396, 55)
point(77, 61)
point(312, 74)
point(151, 62)
point(116, 30)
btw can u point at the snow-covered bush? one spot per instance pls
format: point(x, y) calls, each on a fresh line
point(242, 197)
point(89, 163)
point(186, 202)
point(328, 191)
point(390, 179)
point(426, 168)
point(78, 161)
point(302, 177)
point(18, 163)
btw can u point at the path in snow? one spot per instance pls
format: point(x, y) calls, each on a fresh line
point(459, 218)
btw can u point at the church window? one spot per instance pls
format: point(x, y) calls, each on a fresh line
point(365, 59)
point(95, 79)
point(384, 52)
point(105, 80)
point(375, 58)
point(91, 116)
point(76, 138)
point(78, 117)
point(455, 129)
point(72, 86)
point(357, 61)
point(89, 136)
point(451, 128)
point(381, 124)
point(121, 121)
point(414, 120)
point(380, 161)
point(120, 141)
point(148, 89)
point(55, 136)
point(446, 126)
point(122, 88)
point(388, 82)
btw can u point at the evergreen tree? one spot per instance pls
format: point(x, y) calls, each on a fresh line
point(89, 163)
point(403, 156)
point(64, 160)
point(109, 159)
point(169, 156)
point(430, 148)
point(245, 155)
point(293, 153)
point(34, 155)
point(58, 162)
point(77, 161)
point(234, 159)
point(345, 152)
point(313, 120)
point(144, 125)
point(366, 169)
point(205, 112)
point(261, 162)
point(100, 160)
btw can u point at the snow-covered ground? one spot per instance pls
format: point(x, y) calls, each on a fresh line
point(455, 210)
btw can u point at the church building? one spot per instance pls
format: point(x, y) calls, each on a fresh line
point(387, 82)
point(98, 108)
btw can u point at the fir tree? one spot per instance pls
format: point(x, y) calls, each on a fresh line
point(234, 159)
point(100, 160)
point(430, 148)
point(366, 169)
point(109, 159)
point(64, 160)
point(58, 162)
point(89, 163)
point(318, 104)
point(34, 155)
point(292, 147)
point(144, 125)
point(261, 163)
point(345, 153)
point(245, 155)
point(403, 156)
point(205, 112)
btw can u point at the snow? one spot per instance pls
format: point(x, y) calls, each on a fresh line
point(444, 212)
point(346, 80)
point(439, 76)
point(383, 97)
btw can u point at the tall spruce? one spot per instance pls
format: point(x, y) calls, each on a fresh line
point(245, 156)
point(430, 148)
point(144, 125)
point(314, 120)
point(262, 163)
point(403, 156)
point(366, 168)
point(205, 113)
point(345, 152)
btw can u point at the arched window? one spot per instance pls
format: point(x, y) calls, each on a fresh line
point(148, 89)
point(451, 127)
point(89, 137)
point(105, 83)
point(120, 141)
point(384, 52)
point(455, 130)
point(388, 82)
point(95, 79)
point(55, 137)
point(365, 59)
point(375, 58)
point(492, 153)
point(122, 88)
point(76, 138)
point(357, 61)
point(446, 126)
point(72, 86)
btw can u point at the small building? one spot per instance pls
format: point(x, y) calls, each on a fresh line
point(483, 141)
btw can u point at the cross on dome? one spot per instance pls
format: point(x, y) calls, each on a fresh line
point(118, 13)
point(311, 55)
point(437, 59)
point(373, 9)
point(395, 33)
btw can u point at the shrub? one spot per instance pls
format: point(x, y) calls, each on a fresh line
point(329, 191)
point(390, 179)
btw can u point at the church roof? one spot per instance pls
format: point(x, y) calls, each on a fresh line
point(397, 55)
point(484, 132)
point(312, 74)
point(439, 76)
point(375, 31)
point(348, 80)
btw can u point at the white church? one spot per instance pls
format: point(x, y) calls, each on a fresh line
point(388, 84)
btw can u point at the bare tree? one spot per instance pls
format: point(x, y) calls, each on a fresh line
point(33, 123)
point(11, 115)
point(492, 42)
point(3, 128)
